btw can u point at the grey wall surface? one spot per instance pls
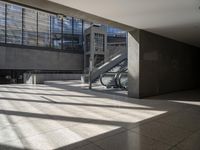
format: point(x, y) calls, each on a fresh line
point(41, 78)
point(134, 64)
point(20, 58)
point(167, 65)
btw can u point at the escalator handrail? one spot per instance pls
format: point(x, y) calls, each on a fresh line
point(115, 78)
point(102, 75)
point(101, 80)
point(118, 73)
point(119, 78)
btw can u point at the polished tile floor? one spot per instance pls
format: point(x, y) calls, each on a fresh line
point(66, 115)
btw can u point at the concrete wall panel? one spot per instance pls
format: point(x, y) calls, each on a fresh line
point(21, 58)
point(133, 64)
point(166, 65)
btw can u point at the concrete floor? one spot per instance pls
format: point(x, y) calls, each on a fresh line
point(65, 115)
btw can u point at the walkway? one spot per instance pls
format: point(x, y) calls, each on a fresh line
point(66, 115)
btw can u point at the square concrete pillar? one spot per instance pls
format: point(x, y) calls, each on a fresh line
point(133, 64)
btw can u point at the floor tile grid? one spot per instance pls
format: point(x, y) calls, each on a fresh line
point(95, 113)
point(124, 113)
point(181, 141)
point(11, 125)
point(116, 142)
point(188, 137)
point(127, 130)
point(37, 134)
point(90, 144)
point(155, 139)
point(10, 104)
point(175, 125)
point(97, 145)
point(43, 132)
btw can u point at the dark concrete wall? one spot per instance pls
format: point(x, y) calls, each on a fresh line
point(21, 58)
point(167, 65)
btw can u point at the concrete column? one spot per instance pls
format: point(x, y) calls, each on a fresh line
point(133, 64)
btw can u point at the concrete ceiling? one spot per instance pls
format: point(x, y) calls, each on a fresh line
point(176, 19)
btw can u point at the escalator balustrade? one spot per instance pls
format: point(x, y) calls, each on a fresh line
point(117, 77)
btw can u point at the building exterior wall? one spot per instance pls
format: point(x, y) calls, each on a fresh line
point(166, 65)
point(39, 59)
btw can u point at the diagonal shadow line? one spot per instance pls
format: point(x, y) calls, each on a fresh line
point(92, 92)
point(121, 98)
point(111, 92)
point(31, 88)
point(82, 143)
point(46, 94)
point(64, 118)
point(50, 101)
point(17, 131)
point(8, 147)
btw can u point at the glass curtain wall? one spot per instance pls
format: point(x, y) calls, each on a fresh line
point(43, 29)
point(86, 25)
point(56, 32)
point(78, 34)
point(14, 24)
point(67, 33)
point(2, 22)
point(116, 40)
point(29, 27)
point(116, 33)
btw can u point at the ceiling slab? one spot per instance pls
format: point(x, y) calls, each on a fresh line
point(176, 19)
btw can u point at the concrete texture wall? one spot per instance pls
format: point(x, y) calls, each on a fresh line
point(134, 64)
point(167, 65)
point(33, 59)
point(41, 78)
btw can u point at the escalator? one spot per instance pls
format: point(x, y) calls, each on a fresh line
point(122, 80)
point(111, 65)
point(116, 77)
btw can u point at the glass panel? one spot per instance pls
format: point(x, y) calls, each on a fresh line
point(99, 42)
point(43, 29)
point(116, 40)
point(87, 25)
point(115, 32)
point(30, 27)
point(14, 24)
point(77, 38)
point(67, 33)
point(56, 30)
point(87, 42)
point(2, 22)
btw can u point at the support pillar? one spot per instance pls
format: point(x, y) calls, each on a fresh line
point(133, 64)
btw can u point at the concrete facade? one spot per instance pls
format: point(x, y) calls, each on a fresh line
point(41, 78)
point(164, 65)
point(34, 59)
point(133, 64)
